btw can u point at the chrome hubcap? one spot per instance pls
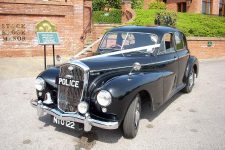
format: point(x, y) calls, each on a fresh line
point(137, 115)
point(191, 79)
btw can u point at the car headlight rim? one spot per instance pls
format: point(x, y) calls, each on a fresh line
point(40, 84)
point(104, 98)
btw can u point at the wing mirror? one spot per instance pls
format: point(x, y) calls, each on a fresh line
point(136, 67)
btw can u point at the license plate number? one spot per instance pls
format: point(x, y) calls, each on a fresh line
point(69, 124)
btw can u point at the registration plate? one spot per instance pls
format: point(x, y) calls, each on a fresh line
point(69, 124)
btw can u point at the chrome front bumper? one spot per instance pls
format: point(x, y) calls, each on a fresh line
point(76, 117)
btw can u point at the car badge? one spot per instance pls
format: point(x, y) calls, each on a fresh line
point(70, 68)
point(69, 76)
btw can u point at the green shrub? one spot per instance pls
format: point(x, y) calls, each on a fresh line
point(157, 5)
point(99, 5)
point(166, 18)
point(137, 4)
point(113, 16)
point(201, 25)
point(190, 24)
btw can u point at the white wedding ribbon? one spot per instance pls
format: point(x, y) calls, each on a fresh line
point(148, 48)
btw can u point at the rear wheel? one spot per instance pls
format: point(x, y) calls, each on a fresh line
point(131, 120)
point(190, 82)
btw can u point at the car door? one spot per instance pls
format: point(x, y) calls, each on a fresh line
point(166, 62)
point(183, 56)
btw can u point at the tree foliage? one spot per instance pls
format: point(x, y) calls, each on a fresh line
point(157, 5)
point(99, 5)
point(137, 4)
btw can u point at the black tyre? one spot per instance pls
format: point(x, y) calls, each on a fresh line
point(131, 120)
point(190, 82)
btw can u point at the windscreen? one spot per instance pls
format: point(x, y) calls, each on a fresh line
point(121, 41)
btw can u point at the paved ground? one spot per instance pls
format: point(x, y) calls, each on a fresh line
point(188, 122)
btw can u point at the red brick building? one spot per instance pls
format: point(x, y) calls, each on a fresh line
point(18, 19)
point(211, 7)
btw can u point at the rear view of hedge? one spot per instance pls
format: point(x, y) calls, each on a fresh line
point(113, 16)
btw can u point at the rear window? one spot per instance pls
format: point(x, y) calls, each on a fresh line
point(179, 41)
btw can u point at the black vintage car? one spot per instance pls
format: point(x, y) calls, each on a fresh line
point(132, 64)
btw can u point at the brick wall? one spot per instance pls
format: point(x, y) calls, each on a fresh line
point(127, 12)
point(215, 7)
point(195, 6)
point(100, 29)
point(18, 19)
point(147, 2)
point(198, 47)
point(172, 6)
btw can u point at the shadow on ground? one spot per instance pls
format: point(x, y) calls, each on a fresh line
point(87, 140)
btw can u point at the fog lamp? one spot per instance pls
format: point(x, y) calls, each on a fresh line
point(82, 107)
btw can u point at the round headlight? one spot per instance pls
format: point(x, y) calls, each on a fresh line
point(40, 84)
point(104, 98)
point(82, 107)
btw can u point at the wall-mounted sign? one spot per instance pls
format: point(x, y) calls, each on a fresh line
point(45, 26)
point(209, 44)
point(13, 32)
point(48, 38)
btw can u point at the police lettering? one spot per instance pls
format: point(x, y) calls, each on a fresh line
point(71, 83)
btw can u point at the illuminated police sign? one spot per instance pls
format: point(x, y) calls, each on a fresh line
point(48, 38)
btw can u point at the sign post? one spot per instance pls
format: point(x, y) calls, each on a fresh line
point(48, 38)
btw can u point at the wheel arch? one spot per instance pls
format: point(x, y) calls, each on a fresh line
point(145, 96)
point(195, 67)
point(193, 64)
point(144, 84)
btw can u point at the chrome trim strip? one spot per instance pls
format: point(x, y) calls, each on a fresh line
point(75, 117)
point(92, 71)
point(183, 56)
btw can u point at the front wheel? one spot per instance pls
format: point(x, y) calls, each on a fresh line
point(131, 120)
point(190, 82)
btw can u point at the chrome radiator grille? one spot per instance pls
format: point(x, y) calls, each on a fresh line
point(69, 97)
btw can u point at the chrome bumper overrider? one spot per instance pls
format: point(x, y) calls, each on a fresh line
point(76, 117)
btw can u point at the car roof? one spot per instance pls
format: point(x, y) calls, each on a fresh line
point(152, 29)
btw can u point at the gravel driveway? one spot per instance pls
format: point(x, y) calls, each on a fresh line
point(187, 122)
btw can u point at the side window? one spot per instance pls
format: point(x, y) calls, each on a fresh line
point(184, 40)
point(179, 41)
point(167, 45)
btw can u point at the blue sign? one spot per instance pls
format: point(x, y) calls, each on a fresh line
point(48, 38)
